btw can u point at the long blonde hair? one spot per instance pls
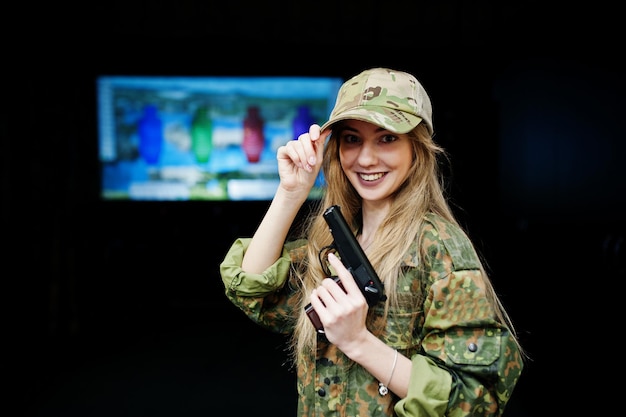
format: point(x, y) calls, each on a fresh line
point(421, 193)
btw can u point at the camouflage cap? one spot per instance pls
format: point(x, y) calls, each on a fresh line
point(393, 100)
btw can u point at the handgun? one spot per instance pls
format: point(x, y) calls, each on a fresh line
point(354, 259)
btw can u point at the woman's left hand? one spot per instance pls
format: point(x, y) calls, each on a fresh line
point(342, 313)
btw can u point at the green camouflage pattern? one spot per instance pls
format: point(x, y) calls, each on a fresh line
point(452, 326)
point(394, 100)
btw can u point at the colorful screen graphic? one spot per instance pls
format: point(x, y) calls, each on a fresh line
point(202, 138)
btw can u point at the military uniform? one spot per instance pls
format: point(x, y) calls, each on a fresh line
point(464, 363)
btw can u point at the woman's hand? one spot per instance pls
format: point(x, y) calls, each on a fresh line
point(299, 161)
point(342, 313)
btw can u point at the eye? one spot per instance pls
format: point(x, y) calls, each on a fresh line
point(350, 139)
point(388, 138)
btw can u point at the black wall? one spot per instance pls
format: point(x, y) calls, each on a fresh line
point(528, 100)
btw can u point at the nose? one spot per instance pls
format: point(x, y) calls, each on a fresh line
point(367, 154)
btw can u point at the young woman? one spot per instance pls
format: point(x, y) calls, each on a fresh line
point(441, 342)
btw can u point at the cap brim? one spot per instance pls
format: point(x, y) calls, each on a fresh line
point(394, 121)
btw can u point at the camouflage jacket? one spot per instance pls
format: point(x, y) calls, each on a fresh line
point(464, 363)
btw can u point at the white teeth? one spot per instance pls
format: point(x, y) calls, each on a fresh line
point(371, 177)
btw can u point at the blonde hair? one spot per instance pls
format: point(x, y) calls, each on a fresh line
point(421, 193)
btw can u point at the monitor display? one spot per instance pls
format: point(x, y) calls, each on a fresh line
point(202, 137)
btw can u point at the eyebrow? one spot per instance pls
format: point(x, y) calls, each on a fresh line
point(351, 129)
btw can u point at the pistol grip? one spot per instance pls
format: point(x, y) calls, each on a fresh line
point(310, 311)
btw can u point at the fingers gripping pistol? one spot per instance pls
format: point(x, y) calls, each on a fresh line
point(354, 259)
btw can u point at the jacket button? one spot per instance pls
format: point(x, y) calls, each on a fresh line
point(321, 392)
point(472, 347)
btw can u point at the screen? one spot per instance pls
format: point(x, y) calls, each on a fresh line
point(202, 138)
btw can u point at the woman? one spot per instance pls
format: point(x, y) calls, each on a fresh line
point(440, 343)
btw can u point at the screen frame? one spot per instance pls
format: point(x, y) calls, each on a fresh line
point(309, 87)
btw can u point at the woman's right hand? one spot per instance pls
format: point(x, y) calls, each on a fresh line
point(300, 161)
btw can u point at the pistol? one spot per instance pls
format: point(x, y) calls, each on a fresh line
point(354, 259)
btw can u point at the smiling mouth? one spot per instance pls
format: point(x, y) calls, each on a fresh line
point(371, 177)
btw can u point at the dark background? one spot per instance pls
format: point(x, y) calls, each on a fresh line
point(114, 308)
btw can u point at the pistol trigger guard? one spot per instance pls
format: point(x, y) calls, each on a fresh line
point(322, 258)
